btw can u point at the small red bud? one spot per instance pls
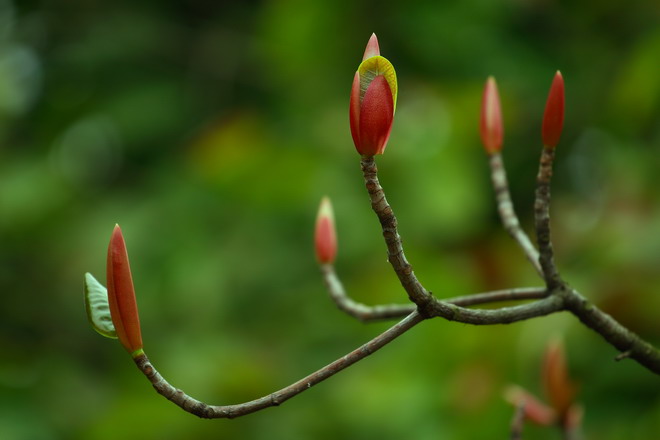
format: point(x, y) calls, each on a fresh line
point(553, 118)
point(372, 101)
point(325, 239)
point(558, 387)
point(121, 295)
point(534, 410)
point(491, 128)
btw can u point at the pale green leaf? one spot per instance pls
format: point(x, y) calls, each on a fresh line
point(98, 310)
point(374, 66)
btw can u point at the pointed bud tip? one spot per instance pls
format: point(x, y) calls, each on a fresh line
point(326, 206)
point(491, 127)
point(372, 48)
point(553, 118)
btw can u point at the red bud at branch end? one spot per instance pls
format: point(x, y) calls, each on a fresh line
point(121, 295)
point(372, 101)
point(534, 410)
point(491, 127)
point(325, 239)
point(558, 386)
point(553, 118)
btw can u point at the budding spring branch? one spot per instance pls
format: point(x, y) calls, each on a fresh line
point(556, 297)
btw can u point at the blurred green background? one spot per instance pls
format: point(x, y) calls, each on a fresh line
point(210, 131)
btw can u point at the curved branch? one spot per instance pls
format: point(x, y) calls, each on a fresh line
point(204, 410)
point(560, 299)
point(367, 313)
point(505, 315)
point(416, 292)
point(516, 294)
point(559, 296)
point(508, 214)
point(358, 310)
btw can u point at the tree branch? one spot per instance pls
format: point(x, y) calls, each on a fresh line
point(620, 337)
point(505, 315)
point(542, 218)
point(561, 299)
point(358, 310)
point(204, 410)
point(559, 296)
point(367, 313)
point(416, 292)
point(518, 421)
point(507, 212)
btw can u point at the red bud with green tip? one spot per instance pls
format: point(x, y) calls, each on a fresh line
point(325, 239)
point(121, 295)
point(491, 128)
point(553, 118)
point(373, 101)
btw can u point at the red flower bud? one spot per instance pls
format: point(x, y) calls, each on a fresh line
point(121, 295)
point(491, 128)
point(373, 101)
point(558, 387)
point(325, 239)
point(534, 410)
point(553, 118)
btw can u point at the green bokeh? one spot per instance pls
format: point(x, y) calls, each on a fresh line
point(210, 131)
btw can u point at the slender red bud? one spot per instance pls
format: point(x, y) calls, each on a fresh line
point(121, 295)
point(492, 131)
point(558, 387)
point(534, 410)
point(373, 101)
point(325, 239)
point(553, 118)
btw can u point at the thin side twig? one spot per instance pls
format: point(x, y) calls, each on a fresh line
point(518, 421)
point(515, 294)
point(504, 315)
point(367, 313)
point(356, 309)
point(507, 212)
point(205, 410)
point(542, 218)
